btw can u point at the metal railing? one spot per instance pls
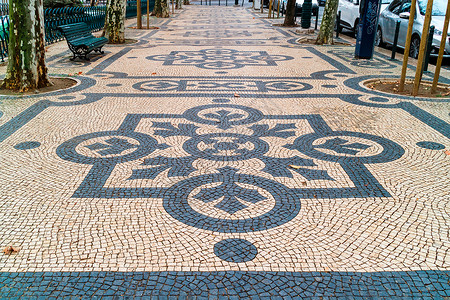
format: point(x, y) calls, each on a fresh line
point(94, 16)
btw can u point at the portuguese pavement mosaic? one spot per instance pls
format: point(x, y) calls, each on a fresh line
point(218, 158)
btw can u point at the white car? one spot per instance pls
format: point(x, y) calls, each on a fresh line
point(350, 13)
point(399, 11)
point(299, 4)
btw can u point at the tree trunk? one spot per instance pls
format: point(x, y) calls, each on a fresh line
point(92, 3)
point(326, 31)
point(26, 56)
point(115, 21)
point(178, 4)
point(289, 18)
point(161, 9)
point(186, 2)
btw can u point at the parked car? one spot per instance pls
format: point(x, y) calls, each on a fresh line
point(299, 4)
point(399, 11)
point(350, 13)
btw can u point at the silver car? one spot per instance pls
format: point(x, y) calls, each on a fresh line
point(398, 10)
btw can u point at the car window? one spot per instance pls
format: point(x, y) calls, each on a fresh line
point(439, 7)
point(395, 6)
point(405, 7)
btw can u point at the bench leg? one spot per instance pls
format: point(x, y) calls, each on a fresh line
point(99, 50)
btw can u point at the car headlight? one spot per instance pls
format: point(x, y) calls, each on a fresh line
point(437, 32)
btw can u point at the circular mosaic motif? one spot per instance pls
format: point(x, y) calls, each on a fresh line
point(223, 116)
point(225, 146)
point(348, 146)
point(287, 86)
point(235, 250)
point(106, 146)
point(157, 85)
point(231, 197)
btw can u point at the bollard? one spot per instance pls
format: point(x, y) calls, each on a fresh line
point(226, 2)
point(219, 2)
point(317, 21)
point(394, 46)
point(236, 2)
point(338, 24)
point(428, 51)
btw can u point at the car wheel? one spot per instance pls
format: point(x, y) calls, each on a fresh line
point(415, 47)
point(356, 28)
point(379, 38)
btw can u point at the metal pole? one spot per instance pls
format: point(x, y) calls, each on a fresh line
point(441, 50)
point(412, 15)
point(338, 24)
point(278, 9)
point(394, 46)
point(270, 9)
point(429, 46)
point(148, 14)
point(317, 21)
point(139, 14)
point(423, 44)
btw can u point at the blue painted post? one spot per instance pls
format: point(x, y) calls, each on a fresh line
point(394, 46)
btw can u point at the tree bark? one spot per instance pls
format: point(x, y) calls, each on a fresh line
point(26, 57)
point(178, 4)
point(289, 18)
point(161, 9)
point(326, 31)
point(115, 21)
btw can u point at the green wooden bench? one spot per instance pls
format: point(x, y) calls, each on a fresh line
point(81, 41)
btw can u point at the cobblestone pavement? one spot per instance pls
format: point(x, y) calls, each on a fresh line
point(216, 157)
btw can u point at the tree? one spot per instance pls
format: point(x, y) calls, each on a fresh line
point(326, 31)
point(289, 18)
point(115, 21)
point(161, 9)
point(178, 4)
point(26, 57)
